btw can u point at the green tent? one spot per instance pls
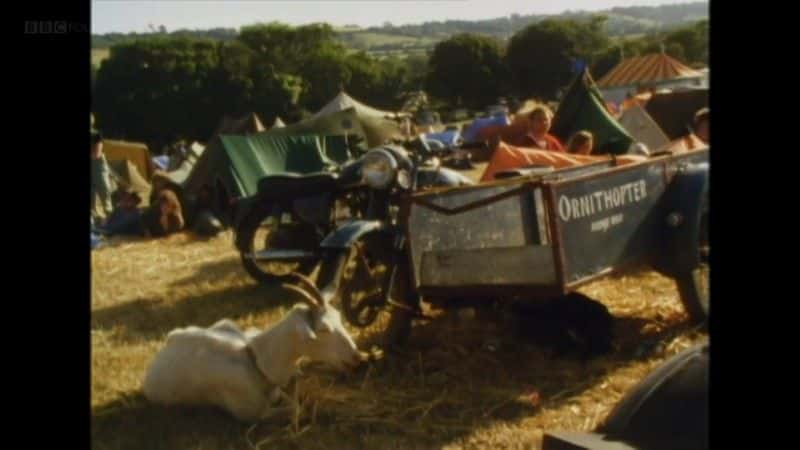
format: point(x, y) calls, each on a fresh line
point(378, 125)
point(583, 108)
point(239, 162)
point(232, 165)
point(342, 123)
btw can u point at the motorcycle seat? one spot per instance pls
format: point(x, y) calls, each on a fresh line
point(296, 185)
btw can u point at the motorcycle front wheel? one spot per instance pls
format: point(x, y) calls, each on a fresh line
point(369, 272)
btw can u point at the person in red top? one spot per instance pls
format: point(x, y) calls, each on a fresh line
point(538, 132)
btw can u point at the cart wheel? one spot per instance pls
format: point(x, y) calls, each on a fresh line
point(694, 291)
point(693, 285)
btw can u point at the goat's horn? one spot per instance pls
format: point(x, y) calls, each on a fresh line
point(303, 293)
point(309, 286)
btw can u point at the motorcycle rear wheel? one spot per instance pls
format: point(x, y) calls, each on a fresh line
point(260, 227)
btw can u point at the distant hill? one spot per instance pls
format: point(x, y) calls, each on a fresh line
point(406, 39)
point(621, 21)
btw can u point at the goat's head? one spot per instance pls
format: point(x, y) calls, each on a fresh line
point(327, 340)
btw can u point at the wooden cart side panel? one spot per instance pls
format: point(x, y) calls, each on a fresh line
point(528, 265)
point(610, 221)
point(507, 222)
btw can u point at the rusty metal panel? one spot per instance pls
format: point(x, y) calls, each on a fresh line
point(512, 220)
point(528, 265)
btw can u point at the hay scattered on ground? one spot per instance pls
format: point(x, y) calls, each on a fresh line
point(459, 383)
point(449, 389)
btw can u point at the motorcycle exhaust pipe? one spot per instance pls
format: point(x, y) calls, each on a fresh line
point(289, 255)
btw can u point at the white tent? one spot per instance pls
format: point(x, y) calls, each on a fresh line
point(643, 128)
point(344, 101)
point(278, 123)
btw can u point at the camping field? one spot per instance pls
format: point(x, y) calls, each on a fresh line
point(448, 388)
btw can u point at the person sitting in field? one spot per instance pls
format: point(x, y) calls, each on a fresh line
point(126, 218)
point(101, 185)
point(581, 143)
point(537, 134)
point(165, 215)
point(697, 138)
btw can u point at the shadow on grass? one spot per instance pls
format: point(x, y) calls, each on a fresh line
point(148, 318)
point(217, 270)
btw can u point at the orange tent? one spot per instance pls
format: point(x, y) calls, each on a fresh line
point(507, 157)
point(647, 69)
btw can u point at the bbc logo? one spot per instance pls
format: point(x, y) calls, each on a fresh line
point(54, 27)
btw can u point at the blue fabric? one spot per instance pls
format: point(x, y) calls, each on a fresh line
point(162, 162)
point(122, 222)
point(433, 144)
point(471, 133)
point(448, 138)
point(95, 240)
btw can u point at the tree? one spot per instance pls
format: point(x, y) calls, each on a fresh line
point(92, 77)
point(693, 42)
point(467, 67)
point(541, 56)
point(161, 89)
point(289, 48)
point(607, 59)
point(416, 70)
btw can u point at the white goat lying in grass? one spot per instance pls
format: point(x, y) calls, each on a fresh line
point(243, 373)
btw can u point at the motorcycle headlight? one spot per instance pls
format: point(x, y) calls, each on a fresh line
point(379, 169)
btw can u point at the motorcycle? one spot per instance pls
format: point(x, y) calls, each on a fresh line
point(364, 263)
point(281, 229)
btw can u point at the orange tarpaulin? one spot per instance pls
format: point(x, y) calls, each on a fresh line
point(508, 157)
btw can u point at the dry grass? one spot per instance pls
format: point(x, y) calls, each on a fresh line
point(447, 390)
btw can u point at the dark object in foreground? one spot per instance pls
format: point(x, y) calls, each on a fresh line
point(571, 325)
point(207, 224)
point(666, 410)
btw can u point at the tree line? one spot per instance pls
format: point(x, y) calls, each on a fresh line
point(167, 88)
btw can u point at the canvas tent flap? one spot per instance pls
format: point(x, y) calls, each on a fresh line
point(135, 152)
point(336, 124)
point(278, 123)
point(583, 108)
point(380, 131)
point(343, 101)
point(378, 125)
point(128, 177)
point(674, 112)
point(643, 128)
point(339, 123)
point(239, 162)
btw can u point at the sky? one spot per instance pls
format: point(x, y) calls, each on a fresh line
point(135, 16)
